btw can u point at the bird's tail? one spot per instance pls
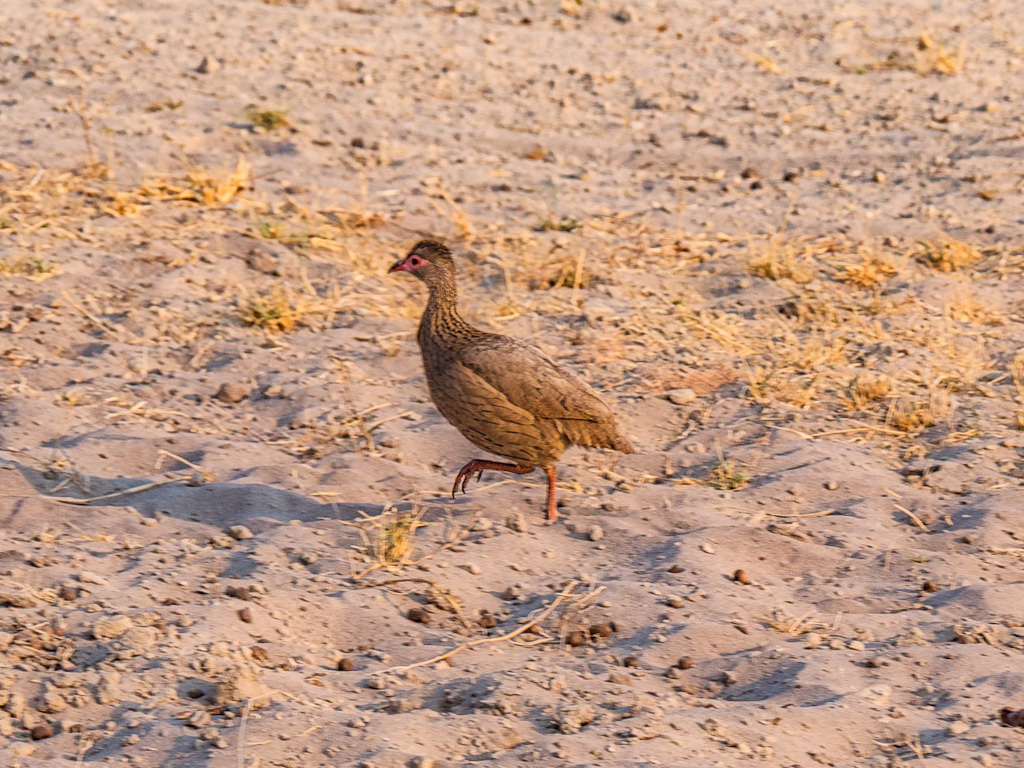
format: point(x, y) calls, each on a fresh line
point(621, 444)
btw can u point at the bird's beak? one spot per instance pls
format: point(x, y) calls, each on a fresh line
point(399, 266)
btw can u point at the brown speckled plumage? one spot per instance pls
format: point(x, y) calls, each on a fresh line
point(504, 396)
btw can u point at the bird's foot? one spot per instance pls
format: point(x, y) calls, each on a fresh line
point(477, 467)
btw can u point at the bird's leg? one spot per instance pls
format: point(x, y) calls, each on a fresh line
point(478, 466)
point(552, 509)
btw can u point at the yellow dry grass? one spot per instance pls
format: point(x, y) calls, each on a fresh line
point(966, 307)
point(912, 414)
point(947, 254)
point(219, 188)
point(870, 272)
point(776, 258)
point(867, 390)
point(36, 269)
point(932, 57)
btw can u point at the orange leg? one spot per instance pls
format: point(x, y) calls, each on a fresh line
point(477, 466)
point(552, 506)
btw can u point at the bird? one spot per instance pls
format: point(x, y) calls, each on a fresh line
point(504, 395)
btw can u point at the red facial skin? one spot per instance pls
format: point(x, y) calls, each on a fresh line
point(408, 264)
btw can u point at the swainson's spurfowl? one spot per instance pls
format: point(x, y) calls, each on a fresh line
point(503, 395)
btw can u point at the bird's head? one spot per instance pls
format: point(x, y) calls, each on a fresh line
point(428, 260)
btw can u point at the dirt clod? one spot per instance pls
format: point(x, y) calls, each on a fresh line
point(419, 615)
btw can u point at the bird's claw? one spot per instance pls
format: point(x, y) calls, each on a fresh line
point(464, 476)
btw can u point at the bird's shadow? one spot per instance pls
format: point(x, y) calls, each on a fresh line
point(218, 504)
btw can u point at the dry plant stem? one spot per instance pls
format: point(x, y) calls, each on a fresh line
point(126, 492)
point(86, 131)
point(565, 593)
point(825, 513)
point(912, 516)
point(88, 315)
point(241, 732)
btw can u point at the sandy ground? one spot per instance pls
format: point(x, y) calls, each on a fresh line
point(784, 242)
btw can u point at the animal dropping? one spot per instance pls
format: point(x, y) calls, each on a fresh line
point(504, 396)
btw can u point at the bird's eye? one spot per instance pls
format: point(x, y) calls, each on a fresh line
point(414, 262)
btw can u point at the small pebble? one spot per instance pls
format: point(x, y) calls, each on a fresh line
point(517, 522)
point(958, 728)
point(487, 621)
point(625, 15)
point(675, 568)
point(707, 548)
point(596, 533)
point(67, 593)
point(575, 639)
point(245, 615)
point(346, 664)
point(831, 485)
point(681, 396)
point(601, 630)
point(739, 575)
point(42, 731)
point(631, 661)
point(674, 602)
point(418, 615)
point(232, 392)
point(239, 532)
point(208, 65)
point(929, 586)
point(684, 663)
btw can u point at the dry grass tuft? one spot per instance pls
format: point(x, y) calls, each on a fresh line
point(220, 188)
point(726, 476)
point(866, 390)
point(560, 269)
point(282, 309)
point(927, 58)
point(947, 254)
point(36, 269)
point(778, 259)
point(965, 307)
point(872, 271)
point(783, 621)
point(934, 58)
point(912, 415)
point(210, 188)
point(395, 543)
point(548, 223)
point(388, 538)
point(267, 119)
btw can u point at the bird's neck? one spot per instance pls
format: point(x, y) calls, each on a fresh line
point(441, 318)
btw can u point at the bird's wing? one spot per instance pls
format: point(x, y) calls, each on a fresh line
point(532, 381)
